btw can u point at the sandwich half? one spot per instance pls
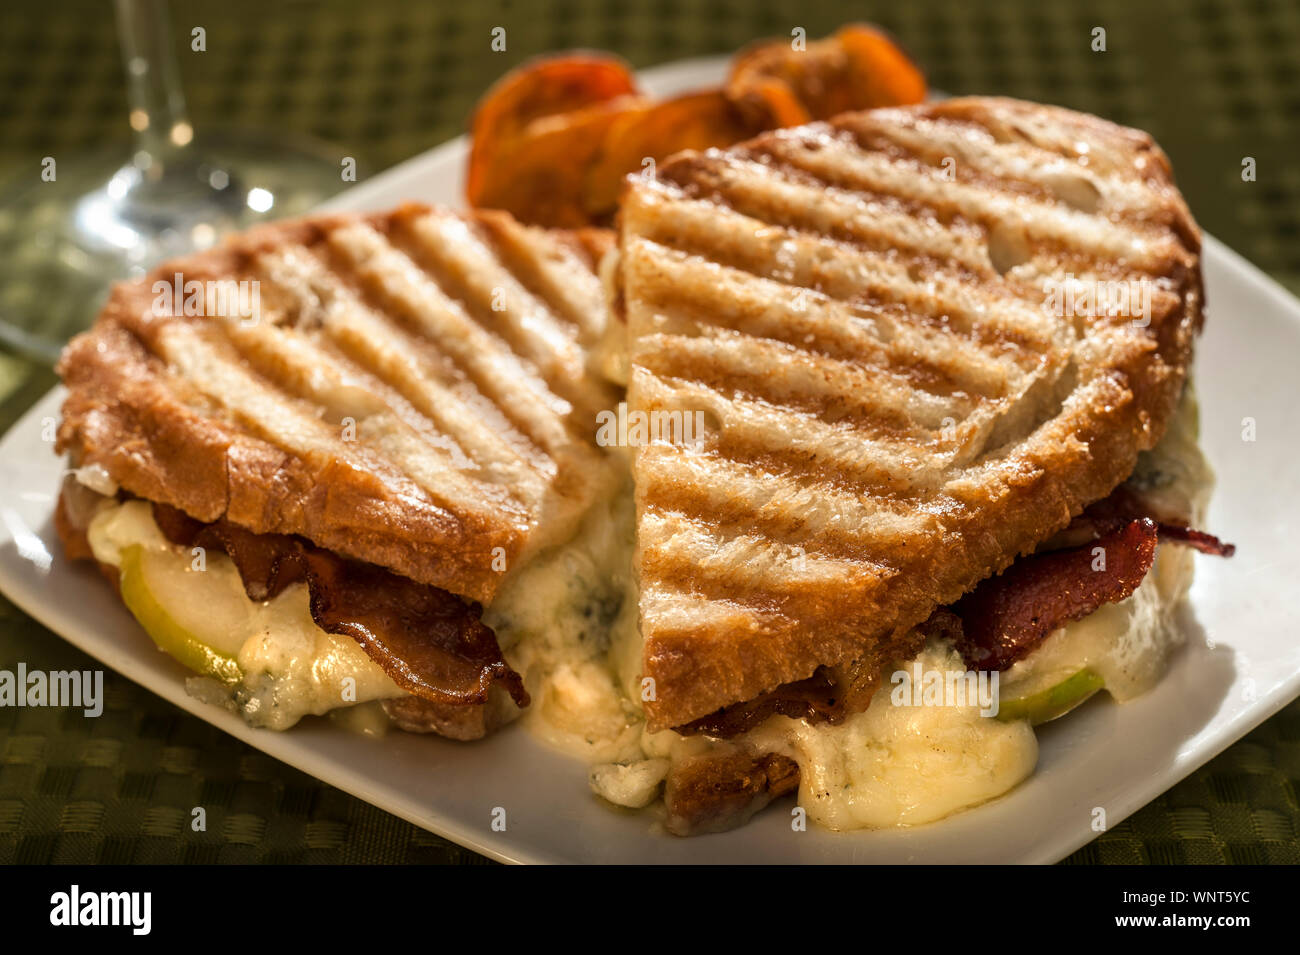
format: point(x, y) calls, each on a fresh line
point(312, 459)
point(921, 342)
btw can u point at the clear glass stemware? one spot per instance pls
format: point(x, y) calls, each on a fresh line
point(72, 226)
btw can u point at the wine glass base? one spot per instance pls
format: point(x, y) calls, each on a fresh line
point(101, 219)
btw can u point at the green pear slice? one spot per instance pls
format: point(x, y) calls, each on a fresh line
point(1039, 704)
point(190, 614)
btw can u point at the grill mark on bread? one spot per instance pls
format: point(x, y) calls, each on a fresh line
point(846, 166)
point(803, 469)
point(864, 213)
point(941, 296)
point(748, 569)
point(212, 364)
point(836, 391)
point(452, 251)
point(819, 520)
point(552, 269)
point(757, 426)
point(517, 412)
point(395, 365)
point(1062, 184)
point(1049, 175)
point(776, 194)
point(396, 285)
point(286, 422)
point(412, 441)
point(776, 185)
point(732, 300)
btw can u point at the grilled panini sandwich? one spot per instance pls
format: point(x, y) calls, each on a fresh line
point(900, 405)
point(906, 397)
point(311, 457)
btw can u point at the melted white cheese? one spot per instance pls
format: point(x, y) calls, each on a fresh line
point(563, 622)
point(902, 765)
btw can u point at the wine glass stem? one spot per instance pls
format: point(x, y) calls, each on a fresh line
point(158, 116)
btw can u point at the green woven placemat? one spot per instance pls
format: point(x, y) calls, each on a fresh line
point(1213, 80)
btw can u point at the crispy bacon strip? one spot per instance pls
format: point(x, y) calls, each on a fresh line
point(1124, 505)
point(1205, 543)
point(830, 695)
point(1007, 616)
point(430, 642)
point(816, 699)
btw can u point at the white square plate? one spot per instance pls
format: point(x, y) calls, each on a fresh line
point(1240, 665)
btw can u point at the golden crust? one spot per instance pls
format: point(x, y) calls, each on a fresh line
point(898, 408)
point(392, 400)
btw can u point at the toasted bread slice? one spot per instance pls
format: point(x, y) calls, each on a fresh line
point(897, 404)
point(411, 391)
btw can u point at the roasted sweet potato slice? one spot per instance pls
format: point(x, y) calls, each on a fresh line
point(540, 89)
point(656, 130)
point(857, 68)
point(554, 139)
point(540, 175)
